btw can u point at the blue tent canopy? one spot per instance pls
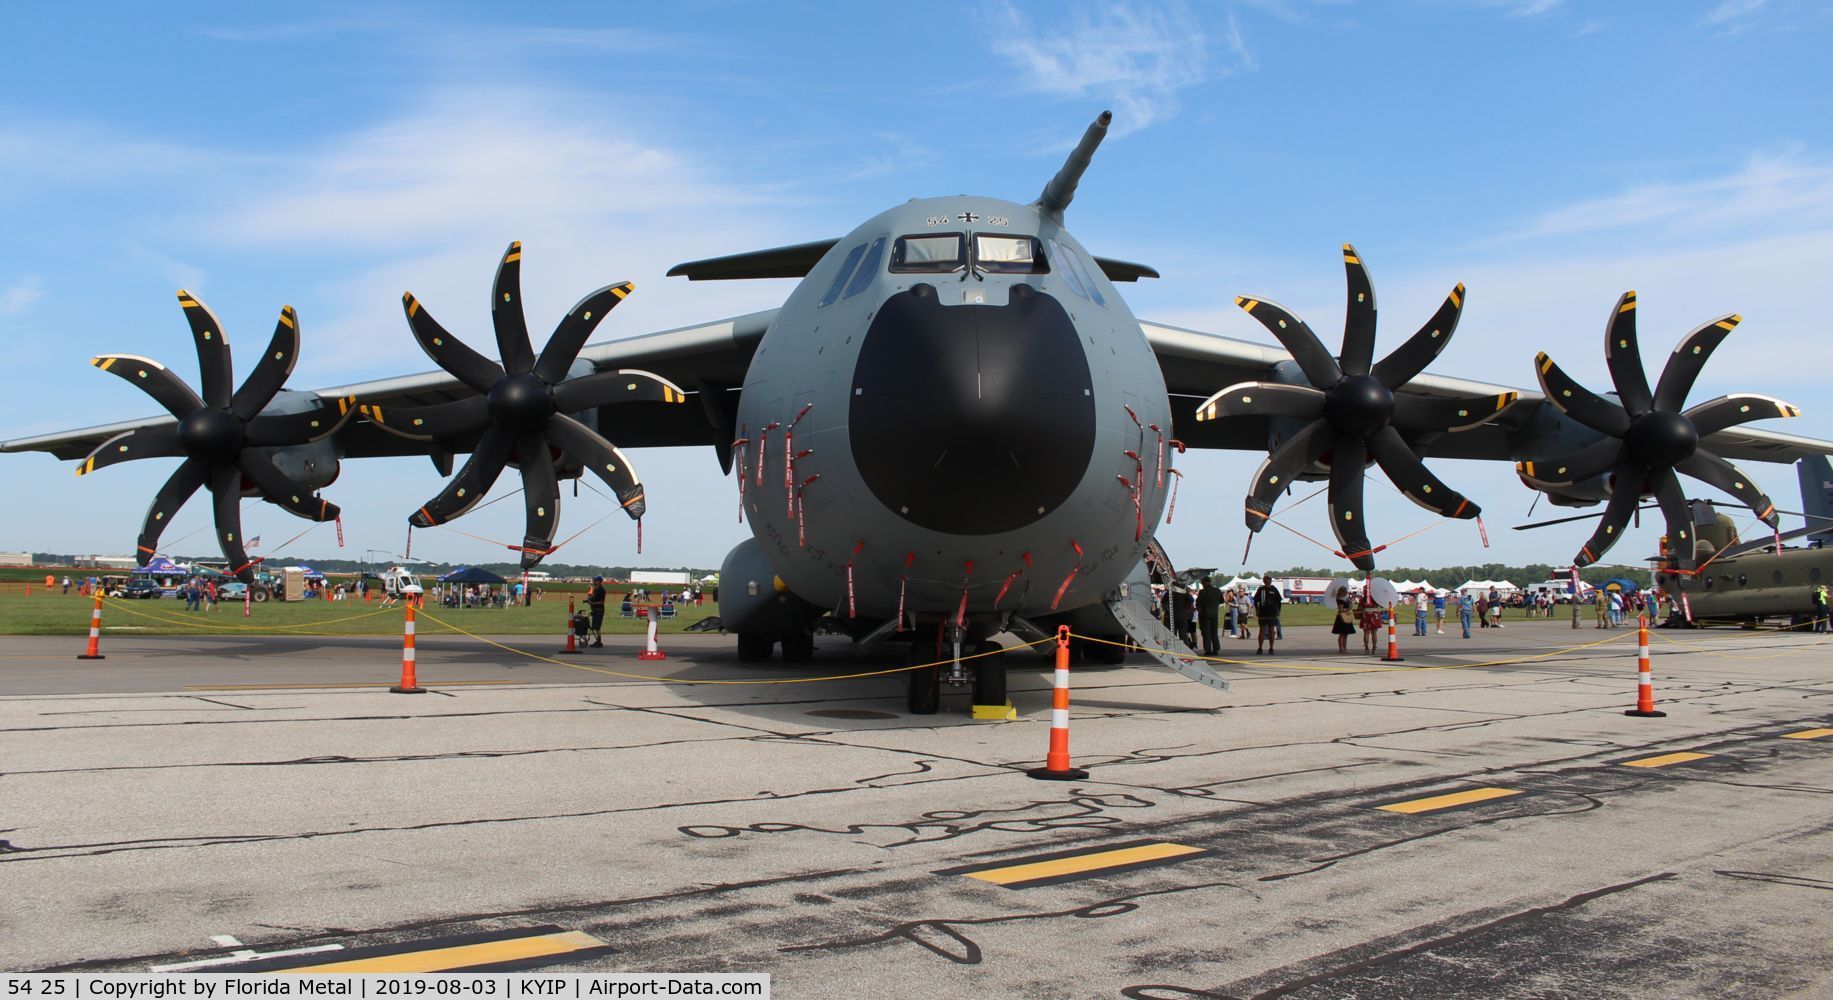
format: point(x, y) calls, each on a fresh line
point(471, 574)
point(161, 566)
point(1620, 584)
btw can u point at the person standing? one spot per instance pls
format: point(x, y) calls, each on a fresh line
point(1183, 608)
point(1482, 608)
point(1464, 608)
point(1343, 625)
point(595, 602)
point(1266, 608)
point(1820, 608)
point(1209, 616)
point(1495, 609)
point(1371, 620)
point(1438, 610)
point(1420, 601)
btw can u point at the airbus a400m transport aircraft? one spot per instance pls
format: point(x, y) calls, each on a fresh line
point(953, 427)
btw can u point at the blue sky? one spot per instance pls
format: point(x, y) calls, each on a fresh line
point(1549, 153)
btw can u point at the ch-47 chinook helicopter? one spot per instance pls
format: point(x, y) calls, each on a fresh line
point(954, 427)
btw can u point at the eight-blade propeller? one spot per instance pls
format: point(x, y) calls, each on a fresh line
point(220, 435)
point(524, 408)
point(1647, 436)
point(1356, 408)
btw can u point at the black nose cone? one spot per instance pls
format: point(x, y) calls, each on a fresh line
point(972, 419)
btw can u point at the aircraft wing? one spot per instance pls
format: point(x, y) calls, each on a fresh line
point(1196, 365)
point(707, 360)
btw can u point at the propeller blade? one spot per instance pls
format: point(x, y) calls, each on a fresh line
point(226, 497)
point(190, 475)
point(506, 313)
point(280, 489)
point(1624, 357)
point(540, 495)
point(213, 363)
point(1281, 468)
point(1578, 402)
point(154, 379)
point(1415, 412)
point(1679, 517)
point(1625, 497)
point(426, 423)
point(1715, 471)
point(271, 372)
point(1270, 399)
point(601, 458)
point(463, 363)
point(1346, 481)
point(1593, 459)
point(1715, 415)
point(1412, 357)
point(472, 482)
point(1412, 478)
point(1312, 356)
point(275, 430)
point(1359, 316)
point(625, 385)
point(159, 441)
point(563, 347)
point(1688, 358)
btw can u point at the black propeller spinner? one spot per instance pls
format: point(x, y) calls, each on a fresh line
point(1648, 437)
point(1356, 407)
point(524, 408)
point(221, 435)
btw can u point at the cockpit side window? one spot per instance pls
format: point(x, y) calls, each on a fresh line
point(840, 276)
point(868, 269)
point(1069, 272)
point(939, 253)
point(1009, 255)
point(1073, 263)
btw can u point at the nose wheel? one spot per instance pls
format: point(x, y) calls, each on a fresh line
point(988, 673)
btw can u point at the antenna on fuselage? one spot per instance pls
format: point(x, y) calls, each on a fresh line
point(1062, 188)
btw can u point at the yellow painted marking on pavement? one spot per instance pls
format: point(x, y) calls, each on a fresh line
point(1437, 802)
point(462, 956)
point(1666, 759)
point(1808, 734)
point(1084, 863)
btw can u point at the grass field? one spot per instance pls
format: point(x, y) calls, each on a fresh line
point(58, 614)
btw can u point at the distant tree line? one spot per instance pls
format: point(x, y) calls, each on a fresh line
point(503, 569)
point(1451, 576)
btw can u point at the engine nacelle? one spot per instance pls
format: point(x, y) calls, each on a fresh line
point(754, 599)
point(1583, 493)
point(314, 465)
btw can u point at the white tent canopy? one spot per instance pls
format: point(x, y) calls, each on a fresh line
point(1485, 586)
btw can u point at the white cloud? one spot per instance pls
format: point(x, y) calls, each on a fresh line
point(1770, 191)
point(1136, 57)
point(1729, 13)
point(18, 296)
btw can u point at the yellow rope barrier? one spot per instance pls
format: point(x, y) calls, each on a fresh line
point(769, 681)
point(1327, 667)
point(121, 603)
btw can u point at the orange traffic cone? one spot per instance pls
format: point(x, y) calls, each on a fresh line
point(95, 632)
point(1393, 642)
point(1056, 763)
point(1645, 677)
point(409, 683)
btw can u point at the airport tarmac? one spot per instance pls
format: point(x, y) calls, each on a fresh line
point(1479, 820)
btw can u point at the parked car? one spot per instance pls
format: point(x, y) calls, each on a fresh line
point(142, 588)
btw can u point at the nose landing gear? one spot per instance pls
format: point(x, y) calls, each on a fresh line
point(950, 656)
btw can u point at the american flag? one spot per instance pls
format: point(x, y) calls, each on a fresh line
point(252, 542)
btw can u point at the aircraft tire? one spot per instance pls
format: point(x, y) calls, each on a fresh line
point(755, 647)
point(925, 691)
point(989, 675)
point(798, 647)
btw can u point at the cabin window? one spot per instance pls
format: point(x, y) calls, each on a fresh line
point(1743, 579)
point(942, 253)
point(1009, 255)
point(840, 276)
point(868, 269)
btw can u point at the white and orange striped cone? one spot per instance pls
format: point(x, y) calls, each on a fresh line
point(1645, 677)
point(409, 683)
point(1056, 762)
point(572, 645)
point(1393, 641)
point(652, 652)
point(94, 652)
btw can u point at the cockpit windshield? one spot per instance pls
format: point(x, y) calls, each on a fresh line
point(1008, 254)
point(942, 253)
